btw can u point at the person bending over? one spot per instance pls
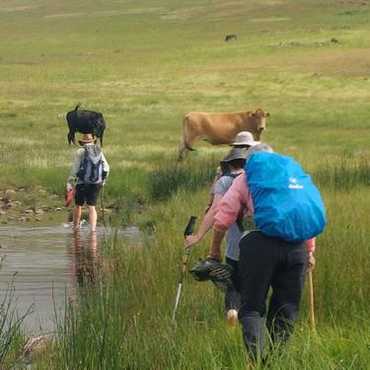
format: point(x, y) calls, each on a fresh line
point(234, 162)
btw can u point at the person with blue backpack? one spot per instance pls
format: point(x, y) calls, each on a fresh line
point(288, 213)
point(89, 172)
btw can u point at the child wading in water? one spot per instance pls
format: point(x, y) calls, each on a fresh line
point(89, 172)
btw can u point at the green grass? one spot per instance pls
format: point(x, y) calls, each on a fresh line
point(144, 64)
point(11, 335)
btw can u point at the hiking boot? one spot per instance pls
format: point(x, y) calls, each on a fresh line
point(232, 317)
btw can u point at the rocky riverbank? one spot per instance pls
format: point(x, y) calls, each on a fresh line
point(33, 206)
point(21, 205)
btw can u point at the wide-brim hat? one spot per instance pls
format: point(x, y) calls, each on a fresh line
point(87, 139)
point(245, 138)
point(234, 154)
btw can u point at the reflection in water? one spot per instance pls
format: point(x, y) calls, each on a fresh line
point(49, 263)
point(85, 260)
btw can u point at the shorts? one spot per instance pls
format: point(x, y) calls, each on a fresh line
point(87, 193)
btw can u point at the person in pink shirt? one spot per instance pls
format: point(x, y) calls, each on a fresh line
point(265, 262)
point(233, 164)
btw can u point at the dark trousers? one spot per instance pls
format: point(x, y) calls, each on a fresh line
point(269, 262)
point(232, 294)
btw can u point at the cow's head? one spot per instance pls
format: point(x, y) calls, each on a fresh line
point(260, 117)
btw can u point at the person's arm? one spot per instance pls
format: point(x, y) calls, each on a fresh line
point(75, 168)
point(205, 225)
point(215, 251)
point(106, 167)
point(228, 211)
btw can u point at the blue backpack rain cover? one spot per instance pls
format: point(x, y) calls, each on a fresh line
point(287, 204)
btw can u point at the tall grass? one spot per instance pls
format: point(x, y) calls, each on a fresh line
point(144, 64)
point(344, 174)
point(173, 176)
point(11, 336)
point(124, 322)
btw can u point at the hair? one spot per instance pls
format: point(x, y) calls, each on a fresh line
point(263, 147)
point(241, 146)
point(237, 163)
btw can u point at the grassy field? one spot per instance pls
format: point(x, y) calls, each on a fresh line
point(146, 63)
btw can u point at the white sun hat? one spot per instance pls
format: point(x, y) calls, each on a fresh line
point(245, 138)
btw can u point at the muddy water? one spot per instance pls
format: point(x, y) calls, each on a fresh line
point(45, 265)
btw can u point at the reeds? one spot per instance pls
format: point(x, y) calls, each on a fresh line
point(124, 322)
point(172, 176)
point(11, 336)
point(344, 174)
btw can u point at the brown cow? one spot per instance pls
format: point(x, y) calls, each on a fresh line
point(219, 128)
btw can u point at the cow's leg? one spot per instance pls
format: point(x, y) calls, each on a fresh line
point(188, 137)
point(182, 150)
point(186, 145)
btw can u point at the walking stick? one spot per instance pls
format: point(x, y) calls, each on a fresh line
point(312, 302)
point(102, 205)
point(185, 257)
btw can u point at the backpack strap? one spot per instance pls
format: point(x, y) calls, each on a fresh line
point(232, 175)
point(239, 223)
point(239, 220)
point(82, 169)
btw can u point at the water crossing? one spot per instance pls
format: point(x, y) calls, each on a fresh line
point(45, 265)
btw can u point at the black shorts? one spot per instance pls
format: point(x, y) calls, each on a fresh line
point(87, 193)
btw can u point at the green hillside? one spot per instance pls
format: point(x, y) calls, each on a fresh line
point(144, 64)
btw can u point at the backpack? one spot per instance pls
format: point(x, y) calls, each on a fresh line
point(91, 167)
point(287, 204)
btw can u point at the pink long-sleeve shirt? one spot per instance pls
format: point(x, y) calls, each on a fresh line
point(234, 201)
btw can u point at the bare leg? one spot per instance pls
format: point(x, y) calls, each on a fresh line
point(77, 217)
point(92, 218)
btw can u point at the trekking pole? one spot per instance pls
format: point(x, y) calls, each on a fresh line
point(312, 302)
point(102, 206)
point(185, 257)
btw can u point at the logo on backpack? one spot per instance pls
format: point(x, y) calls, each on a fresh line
point(91, 167)
point(293, 184)
point(287, 204)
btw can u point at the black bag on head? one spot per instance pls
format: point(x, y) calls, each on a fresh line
point(91, 167)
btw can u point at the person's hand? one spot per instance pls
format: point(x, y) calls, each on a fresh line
point(69, 187)
point(311, 261)
point(191, 240)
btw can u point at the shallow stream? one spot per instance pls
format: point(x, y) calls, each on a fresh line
point(44, 265)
